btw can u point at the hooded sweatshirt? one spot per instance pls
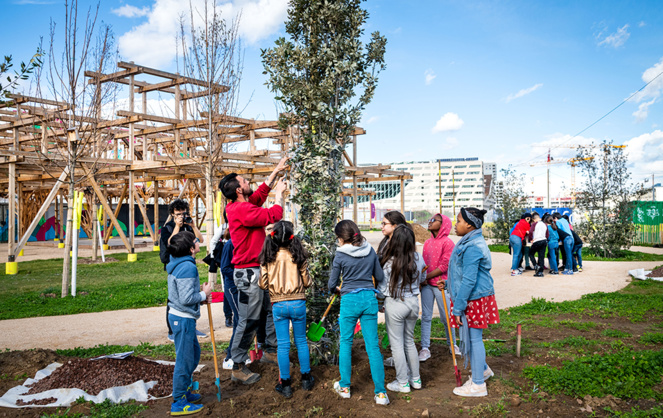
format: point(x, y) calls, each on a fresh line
point(184, 294)
point(357, 266)
point(437, 251)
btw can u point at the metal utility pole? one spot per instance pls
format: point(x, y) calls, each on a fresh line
point(439, 183)
point(453, 191)
point(548, 181)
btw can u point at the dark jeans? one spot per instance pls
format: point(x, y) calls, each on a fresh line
point(539, 247)
point(231, 298)
point(227, 310)
point(187, 353)
point(577, 256)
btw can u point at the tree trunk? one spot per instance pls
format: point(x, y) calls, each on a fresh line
point(69, 233)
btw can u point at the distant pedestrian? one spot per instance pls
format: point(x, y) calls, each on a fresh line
point(473, 297)
point(538, 234)
point(359, 264)
point(516, 239)
point(284, 272)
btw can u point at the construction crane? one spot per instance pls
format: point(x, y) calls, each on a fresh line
point(572, 162)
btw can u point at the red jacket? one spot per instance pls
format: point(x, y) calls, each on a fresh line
point(521, 230)
point(247, 222)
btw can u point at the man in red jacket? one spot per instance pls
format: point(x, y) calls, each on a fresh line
point(247, 220)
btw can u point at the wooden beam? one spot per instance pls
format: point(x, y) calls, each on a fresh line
point(143, 211)
point(108, 210)
point(115, 214)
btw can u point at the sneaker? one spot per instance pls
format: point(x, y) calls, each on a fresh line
point(575, 270)
point(457, 350)
point(248, 361)
point(343, 392)
point(396, 386)
point(487, 374)
point(528, 268)
point(471, 389)
point(227, 364)
point(193, 397)
point(284, 388)
point(554, 272)
point(382, 399)
point(568, 272)
point(580, 269)
point(389, 362)
point(307, 381)
point(244, 375)
point(269, 358)
point(520, 269)
point(516, 272)
point(424, 354)
point(200, 334)
point(229, 322)
point(182, 407)
point(538, 274)
point(415, 383)
point(171, 338)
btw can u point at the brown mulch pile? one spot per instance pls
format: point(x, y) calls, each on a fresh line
point(657, 272)
point(93, 376)
point(421, 234)
point(44, 401)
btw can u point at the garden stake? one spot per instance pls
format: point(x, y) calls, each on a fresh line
point(519, 328)
point(459, 383)
point(216, 363)
point(316, 331)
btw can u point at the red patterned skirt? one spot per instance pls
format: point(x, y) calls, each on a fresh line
point(479, 313)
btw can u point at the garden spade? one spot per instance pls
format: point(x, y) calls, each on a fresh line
point(255, 354)
point(459, 383)
point(216, 363)
point(316, 331)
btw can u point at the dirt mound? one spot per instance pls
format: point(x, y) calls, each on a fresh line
point(93, 376)
point(421, 234)
point(657, 272)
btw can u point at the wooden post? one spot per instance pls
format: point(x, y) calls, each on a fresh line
point(403, 197)
point(355, 202)
point(95, 234)
point(370, 210)
point(20, 208)
point(132, 139)
point(155, 243)
point(61, 221)
point(44, 144)
point(109, 211)
point(143, 211)
point(11, 266)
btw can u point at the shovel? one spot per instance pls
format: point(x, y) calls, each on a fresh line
point(216, 363)
point(255, 354)
point(459, 382)
point(316, 331)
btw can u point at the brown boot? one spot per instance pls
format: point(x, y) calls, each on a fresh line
point(243, 375)
point(269, 358)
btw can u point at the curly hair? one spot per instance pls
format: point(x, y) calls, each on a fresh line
point(178, 204)
point(282, 236)
point(400, 251)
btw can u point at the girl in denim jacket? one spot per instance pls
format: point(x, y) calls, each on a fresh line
point(473, 297)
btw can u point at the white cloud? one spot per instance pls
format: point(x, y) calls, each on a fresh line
point(645, 154)
point(650, 94)
point(642, 24)
point(130, 11)
point(372, 119)
point(523, 92)
point(430, 76)
point(449, 122)
point(153, 43)
point(562, 147)
point(614, 40)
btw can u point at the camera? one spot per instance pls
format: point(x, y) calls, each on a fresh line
point(187, 218)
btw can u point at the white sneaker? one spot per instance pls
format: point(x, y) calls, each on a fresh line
point(248, 361)
point(344, 392)
point(471, 390)
point(415, 383)
point(228, 364)
point(487, 374)
point(389, 362)
point(382, 399)
point(457, 350)
point(424, 354)
point(396, 386)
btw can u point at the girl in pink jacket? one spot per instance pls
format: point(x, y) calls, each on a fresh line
point(437, 252)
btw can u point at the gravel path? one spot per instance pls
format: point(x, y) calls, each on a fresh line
point(134, 326)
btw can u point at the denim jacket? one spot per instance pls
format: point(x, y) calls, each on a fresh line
point(469, 271)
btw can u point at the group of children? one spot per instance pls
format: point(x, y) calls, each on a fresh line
point(549, 235)
point(391, 280)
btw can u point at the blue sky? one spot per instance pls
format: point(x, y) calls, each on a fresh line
point(496, 80)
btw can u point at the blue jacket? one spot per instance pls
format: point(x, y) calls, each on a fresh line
point(357, 266)
point(227, 267)
point(184, 294)
point(469, 272)
point(553, 236)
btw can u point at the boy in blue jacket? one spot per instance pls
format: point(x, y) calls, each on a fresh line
point(184, 298)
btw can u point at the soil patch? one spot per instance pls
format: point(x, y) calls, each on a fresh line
point(93, 376)
point(657, 272)
point(421, 234)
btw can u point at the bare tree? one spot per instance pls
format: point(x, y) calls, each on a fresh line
point(211, 51)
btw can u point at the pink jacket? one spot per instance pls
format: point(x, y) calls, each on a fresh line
point(437, 251)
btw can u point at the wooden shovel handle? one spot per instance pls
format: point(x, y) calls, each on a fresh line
point(446, 315)
point(211, 334)
point(328, 308)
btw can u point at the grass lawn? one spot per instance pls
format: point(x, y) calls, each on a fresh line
point(36, 289)
point(586, 256)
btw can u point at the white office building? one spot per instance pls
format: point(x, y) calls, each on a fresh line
point(437, 180)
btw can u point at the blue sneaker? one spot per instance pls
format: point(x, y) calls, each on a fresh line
point(200, 334)
point(568, 272)
point(183, 407)
point(193, 397)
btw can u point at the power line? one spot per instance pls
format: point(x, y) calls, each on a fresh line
point(593, 123)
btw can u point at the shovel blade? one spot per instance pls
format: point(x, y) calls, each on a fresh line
point(218, 386)
point(253, 355)
point(315, 332)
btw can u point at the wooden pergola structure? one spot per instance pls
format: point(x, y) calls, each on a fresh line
point(134, 157)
